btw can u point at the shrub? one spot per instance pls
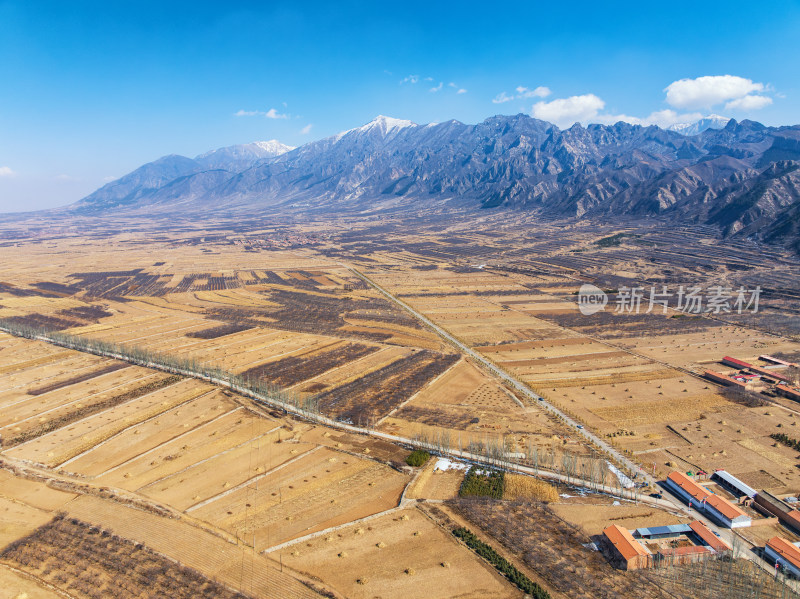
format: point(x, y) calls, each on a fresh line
point(786, 440)
point(417, 458)
point(483, 483)
point(501, 564)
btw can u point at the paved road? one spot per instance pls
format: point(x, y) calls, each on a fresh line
point(511, 381)
point(669, 502)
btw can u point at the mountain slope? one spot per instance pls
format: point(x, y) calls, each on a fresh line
point(738, 178)
point(143, 186)
point(241, 156)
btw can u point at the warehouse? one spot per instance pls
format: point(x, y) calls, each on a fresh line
point(734, 363)
point(726, 513)
point(778, 361)
point(685, 488)
point(625, 551)
point(788, 392)
point(662, 532)
point(729, 482)
point(784, 554)
point(696, 531)
point(721, 378)
point(769, 373)
point(708, 538)
point(719, 508)
point(767, 502)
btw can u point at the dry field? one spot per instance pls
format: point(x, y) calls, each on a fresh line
point(398, 555)
point(180, 446)
point(85, 561)
point(15, 583)
point(592, 518)
point(633, 379)
point(236, 480)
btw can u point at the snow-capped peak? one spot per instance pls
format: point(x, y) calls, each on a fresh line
point(273, 147)
point(386, 123)
point(383, 125)
point(243, 154)
point(712, 121)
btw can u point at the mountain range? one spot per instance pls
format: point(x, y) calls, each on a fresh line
point(741, 177)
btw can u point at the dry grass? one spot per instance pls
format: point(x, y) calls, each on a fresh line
point(518, 486)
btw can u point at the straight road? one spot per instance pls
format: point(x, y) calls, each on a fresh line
point(510, 380)
point(668, 502)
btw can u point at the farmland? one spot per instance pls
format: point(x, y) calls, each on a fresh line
point(187, 455)
point(263, 503)
point(397, 555)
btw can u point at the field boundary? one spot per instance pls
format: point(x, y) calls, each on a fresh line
point(272, 398)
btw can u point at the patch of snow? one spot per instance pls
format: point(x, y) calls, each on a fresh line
point(444, 465)
point(623, 479)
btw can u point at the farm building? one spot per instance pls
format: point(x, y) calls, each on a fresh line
point(784, 554)
point(726, 513)
point(734, 363)
point(676, 543)
point(626, 552)
point(734, 485)
point(683, 555)
point(721, 378)
point(769, 373)
point(776, 361)
point(719, 508)
point(696, 530)
point(685, 488)
point(662, 532)
point(789, 516)
point(708, 538)
point(788, 392)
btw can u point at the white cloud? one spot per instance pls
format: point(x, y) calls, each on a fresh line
point(5, 171)
point(539, 92)
point(270, 114)
point(459, 90)
point(437, 88)
point(306, 130)
point(274, 114)
point(752, 102)
point(522, 92)
point(566, 111)
point(588, 109)
point(705, 92)
point(501, 98)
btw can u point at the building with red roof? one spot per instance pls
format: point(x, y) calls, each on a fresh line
point(626, 551)
point(784, 554)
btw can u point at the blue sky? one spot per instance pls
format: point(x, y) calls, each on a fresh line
point(91, 90)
